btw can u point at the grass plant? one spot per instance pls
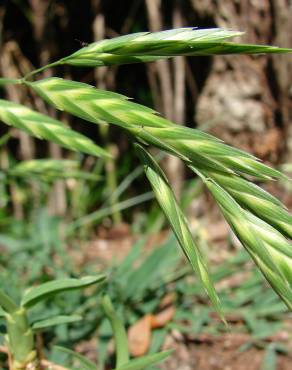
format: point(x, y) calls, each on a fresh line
point(261, 222)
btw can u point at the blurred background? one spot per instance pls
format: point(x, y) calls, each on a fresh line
point(85, 214)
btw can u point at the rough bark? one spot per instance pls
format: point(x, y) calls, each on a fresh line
point(171, 90)
point(245, 99)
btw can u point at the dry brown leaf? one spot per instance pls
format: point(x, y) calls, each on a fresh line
point(139, 336)
point(162, 318)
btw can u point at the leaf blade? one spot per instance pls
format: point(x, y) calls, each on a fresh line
point(87, 364)
point(53, 321)
point(142, 362)
point(36, 294)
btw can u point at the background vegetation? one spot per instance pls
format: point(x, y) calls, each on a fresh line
point(83, 216)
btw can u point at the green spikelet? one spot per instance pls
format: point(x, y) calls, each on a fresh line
point(150, 46)
point(44, 127)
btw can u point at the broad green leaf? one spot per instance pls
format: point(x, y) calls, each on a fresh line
point(145, 361)
point(43, 291)
point(147, 46)
point(119, 332)
point(86, 364)
point(53, 321)
point(176, 218)
point(45, 127)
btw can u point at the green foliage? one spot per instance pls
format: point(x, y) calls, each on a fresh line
point(20, 336)
point(35, 295)
point(260, 221)
point(142, 362)
point(86, 364)
point(200, 151)
point(57, 320)
point(120, 334)
point(203, 153)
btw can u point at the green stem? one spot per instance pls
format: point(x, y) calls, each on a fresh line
point(32, 73)
point(101, 213)
point(119, 332)
point(9, 81)
point(20, 340)
point(110, 171)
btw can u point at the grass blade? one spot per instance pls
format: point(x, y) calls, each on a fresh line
point(43, 291)
point(270, 358)
point(120, 334)
point(145, 361)
point(86, 364)
point(53, 321)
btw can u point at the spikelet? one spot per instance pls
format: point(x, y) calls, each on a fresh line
point(260, 221)
point(222, 167)
point(150, 46)
point(44, 127)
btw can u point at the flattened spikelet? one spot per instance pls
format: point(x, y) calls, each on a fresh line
point(151, 46)
point(44, 127)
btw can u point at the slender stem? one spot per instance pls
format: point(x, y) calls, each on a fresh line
point(32, 73)
point(17, 81)
point(9, 81)
point(99, 214)
point(111, 180)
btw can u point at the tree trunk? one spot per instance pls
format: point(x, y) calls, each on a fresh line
point(246, 98)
